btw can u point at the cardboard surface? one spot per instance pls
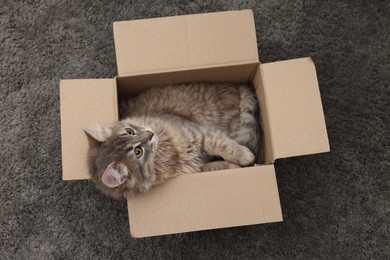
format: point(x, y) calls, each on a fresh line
point(294, 108)
point(235, 73)
point(207, 200)
point(83, 103)
point(188, 41)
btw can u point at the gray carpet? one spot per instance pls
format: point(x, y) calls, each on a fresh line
point(335, 205)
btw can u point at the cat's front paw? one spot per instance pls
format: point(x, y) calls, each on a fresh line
point(219, 165)
point(241, 156)
point(246, 157)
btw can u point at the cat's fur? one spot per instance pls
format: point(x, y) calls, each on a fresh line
point(185, 128)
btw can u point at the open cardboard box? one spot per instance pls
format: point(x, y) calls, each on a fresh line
point(213, 47)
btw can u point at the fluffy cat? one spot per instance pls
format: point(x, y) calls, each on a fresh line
point(173, 130)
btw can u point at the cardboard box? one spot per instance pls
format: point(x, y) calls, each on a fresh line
point(211, 47)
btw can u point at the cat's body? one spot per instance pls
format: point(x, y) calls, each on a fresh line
point(180, 129)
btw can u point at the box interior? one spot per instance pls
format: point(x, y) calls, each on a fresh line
point(244, 73)
point(132, 84)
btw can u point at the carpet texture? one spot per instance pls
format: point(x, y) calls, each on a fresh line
point(335, 205)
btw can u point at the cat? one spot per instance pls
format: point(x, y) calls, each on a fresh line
point(178, 129)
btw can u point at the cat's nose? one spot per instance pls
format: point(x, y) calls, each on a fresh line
point(145, 135)
point(150, 133)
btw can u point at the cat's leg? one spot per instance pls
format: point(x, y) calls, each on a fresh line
point(228, 149)
point(219, 165)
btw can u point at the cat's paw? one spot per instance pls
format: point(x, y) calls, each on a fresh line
point(219, 165)
point(246, 157)
point(241, 156)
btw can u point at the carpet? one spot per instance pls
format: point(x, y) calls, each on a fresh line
point(335, 205)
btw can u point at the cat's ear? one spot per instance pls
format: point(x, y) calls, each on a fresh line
point(97, 135)
point(114, 176)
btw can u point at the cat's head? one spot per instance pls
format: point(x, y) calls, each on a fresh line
point(121, 158)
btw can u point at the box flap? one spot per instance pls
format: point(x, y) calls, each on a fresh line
point(293, 102)
point(83, 103)
point(182, 42)
point(207, 200)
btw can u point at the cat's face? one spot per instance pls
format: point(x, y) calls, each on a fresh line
point(121, 158)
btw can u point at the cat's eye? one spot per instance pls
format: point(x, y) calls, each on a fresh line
point(130, 131)
point(138, 151)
